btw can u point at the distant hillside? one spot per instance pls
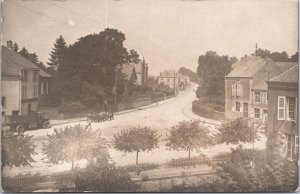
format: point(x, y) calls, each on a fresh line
point(189, 73)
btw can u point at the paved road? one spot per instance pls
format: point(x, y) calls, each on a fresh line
point(160, 118)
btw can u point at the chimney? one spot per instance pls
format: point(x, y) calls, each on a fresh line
point(9, 44)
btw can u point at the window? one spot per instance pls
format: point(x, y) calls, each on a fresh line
point(35, 76)
point(168, 80)
point(42, 88)
point(24, 91)
point(292, 146)
point(35, 91)
point(47, 88)
point(237, 106)
point(24, 76)
point(257, 97)
point(281, 107)
point(265, 111)
point(257, 113)
point(264, 97)
point(236, 90)
point(3, 102)
point(291, 102)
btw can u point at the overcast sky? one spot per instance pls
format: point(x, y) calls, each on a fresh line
point(169, 33)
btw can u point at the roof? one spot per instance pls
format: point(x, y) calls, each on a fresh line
point(15, 58)
point(285, 65)
point(9, 68)
point(129, 71)
point(249, 66)
point(289, 76)
point(44, 73)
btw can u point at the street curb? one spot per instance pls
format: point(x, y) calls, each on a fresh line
point(118, 113)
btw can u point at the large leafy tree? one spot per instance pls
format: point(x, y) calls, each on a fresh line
point(188, 136)
point(212, 69)
point(92, 59)
point(136, 139)
point(16, 47)
point(17, 149)
point(57, 53)
point(74, 143)
point(237, 131)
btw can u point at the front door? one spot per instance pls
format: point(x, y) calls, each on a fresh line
point(245, 109)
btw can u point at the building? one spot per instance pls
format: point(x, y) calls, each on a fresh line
point(169, 78)
point(246, 88)
point(173, 80)
point(45, 80)
point(129, 73)
point(25, 77)
point(10, 88)
point(141, 69)
point(283, 108)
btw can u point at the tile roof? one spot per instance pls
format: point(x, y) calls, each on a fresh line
point(17, 59)
point(9, 68)
point(289, 76)
point(249, 66)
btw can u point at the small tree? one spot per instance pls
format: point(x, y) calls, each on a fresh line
point(74, 143)
point(236, 131)
point(103, 176)
point(17, 149)
point(136, 139)
point(188, 136)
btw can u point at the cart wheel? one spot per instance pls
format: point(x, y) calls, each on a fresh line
point(20, 128)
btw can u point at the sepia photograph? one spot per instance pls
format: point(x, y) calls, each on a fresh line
point(149, 96)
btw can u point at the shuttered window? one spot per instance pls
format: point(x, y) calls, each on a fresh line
point(281, 107)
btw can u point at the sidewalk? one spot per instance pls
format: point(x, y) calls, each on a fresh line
point(65, 121)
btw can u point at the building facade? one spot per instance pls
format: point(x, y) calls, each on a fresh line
point(246, 89)
point(141, 70)
point(27, 82)
point(283, 108)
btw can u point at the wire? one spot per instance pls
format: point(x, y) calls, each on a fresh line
point(40, 13)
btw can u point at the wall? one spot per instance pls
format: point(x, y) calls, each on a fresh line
point(272, 122)
point(229, 99)
point(11, 90)
point(30, 98)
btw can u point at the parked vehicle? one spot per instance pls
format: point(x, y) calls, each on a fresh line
point(100, 117)
point(36, 120)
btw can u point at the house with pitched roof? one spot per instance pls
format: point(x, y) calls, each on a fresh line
point(20, 83)
point(246, 88)
point(283, 108)
point(128, 70)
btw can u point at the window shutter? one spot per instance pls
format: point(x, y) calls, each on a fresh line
point(233, 106)
point(238, 90)
point(252, 97)
point(233, 90)
point(241, 106)
point(281, 108)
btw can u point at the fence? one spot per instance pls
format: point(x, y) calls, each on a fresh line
point(148, 172)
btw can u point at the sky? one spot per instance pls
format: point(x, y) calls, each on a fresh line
point(169, 34)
